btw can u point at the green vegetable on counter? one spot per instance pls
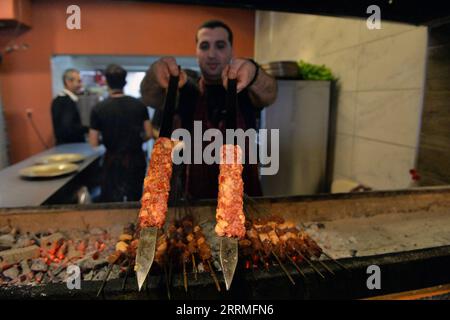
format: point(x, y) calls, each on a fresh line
point(309, 71)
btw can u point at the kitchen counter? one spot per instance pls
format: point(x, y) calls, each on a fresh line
point(18, 192)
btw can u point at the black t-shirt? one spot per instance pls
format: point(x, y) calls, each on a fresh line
point(120, 121)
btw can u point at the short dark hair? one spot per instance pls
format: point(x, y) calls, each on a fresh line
point(211, 24)
point(66, 75)
point(115, 76)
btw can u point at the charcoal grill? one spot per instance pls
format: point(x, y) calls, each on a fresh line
point(412, 263)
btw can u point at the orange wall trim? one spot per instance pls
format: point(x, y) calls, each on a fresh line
point(107, 27)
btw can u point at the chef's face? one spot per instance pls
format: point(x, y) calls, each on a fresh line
point(73, 82)
point(214, 52)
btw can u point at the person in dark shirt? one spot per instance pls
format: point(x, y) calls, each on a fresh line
point(203, 99)
point(66, 120)
point(123, 124)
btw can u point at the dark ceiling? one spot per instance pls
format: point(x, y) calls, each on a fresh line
point(426, 12)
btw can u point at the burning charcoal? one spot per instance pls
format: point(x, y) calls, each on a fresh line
point(51, 276)
point(73, 253)
point(25, 267)
point(5, 230)
point(45, 279)
point(16, 255)
point(39, 265)
point(88, 263)
point(11, 273)
point(23, 278)
point(23, 241)
point(7, 241)
point(57, 268)
point(76, 234)
point(38, 277)
point(47, 242)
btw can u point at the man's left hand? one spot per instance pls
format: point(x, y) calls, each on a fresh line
point(242, 70)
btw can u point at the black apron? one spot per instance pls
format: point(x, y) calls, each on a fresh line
point(123, 176)
point(202, 179)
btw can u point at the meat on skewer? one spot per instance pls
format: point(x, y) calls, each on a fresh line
point(284, 238)
point(157, 185)
point(315, 249)
point(161, 249)
point(203, 248)
point(230, 214)
point(256, 248)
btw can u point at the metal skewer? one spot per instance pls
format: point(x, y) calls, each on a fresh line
point(335, 261)
point(324, 265)
point(167, 282)
point(228, 252)
point(296, 266)
point(194, 266)
point(185, 281)
point(125, 278)
point(266, 264)
point(284, 268)
point(213, 275)
point(170, 272)
point(110, 267)
point(310, 263)
point(148, 235)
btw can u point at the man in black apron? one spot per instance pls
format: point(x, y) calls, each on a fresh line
point(123, 123)
point(204, 99)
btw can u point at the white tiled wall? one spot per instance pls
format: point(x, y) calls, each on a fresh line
point(381, 79)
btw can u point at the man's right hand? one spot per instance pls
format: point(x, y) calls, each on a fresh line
point(164, 68)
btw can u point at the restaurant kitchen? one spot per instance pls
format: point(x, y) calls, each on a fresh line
point(363, 173)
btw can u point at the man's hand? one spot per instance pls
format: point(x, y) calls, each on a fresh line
point(262, 92)
point(156, 81)
point(164, 68)
point(240, 69)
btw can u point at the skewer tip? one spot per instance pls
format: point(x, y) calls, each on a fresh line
point(140, 280)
